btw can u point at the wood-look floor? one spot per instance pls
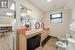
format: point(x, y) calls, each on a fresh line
point(50, 45)
point(5, 42)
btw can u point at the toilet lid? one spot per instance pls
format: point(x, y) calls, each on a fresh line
point(61, 44)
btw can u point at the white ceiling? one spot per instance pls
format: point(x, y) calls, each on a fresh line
point(44, 5)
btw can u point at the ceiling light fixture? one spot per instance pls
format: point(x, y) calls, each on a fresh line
point(20, 6)
point(29, 12)
point(49, 0)
point(12, 7)
point(9, 14)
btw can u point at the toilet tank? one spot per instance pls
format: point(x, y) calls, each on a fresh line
point(73, 35)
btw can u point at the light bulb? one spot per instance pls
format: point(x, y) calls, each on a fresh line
point(49, 0)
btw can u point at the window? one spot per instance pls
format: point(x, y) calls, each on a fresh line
point(56, 18)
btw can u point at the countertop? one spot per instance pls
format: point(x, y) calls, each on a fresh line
point(32, 33)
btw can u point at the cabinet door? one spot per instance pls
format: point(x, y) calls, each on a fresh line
point(33, 43)
point(44, 35)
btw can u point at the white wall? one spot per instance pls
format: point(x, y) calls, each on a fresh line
point(36, 13)
point(72, 27)
point(73, 14)
point(59, 29)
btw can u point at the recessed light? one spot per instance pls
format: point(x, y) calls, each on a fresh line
point(49, 0)
point(20, 6)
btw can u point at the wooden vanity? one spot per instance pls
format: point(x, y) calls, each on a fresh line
point(37, 35)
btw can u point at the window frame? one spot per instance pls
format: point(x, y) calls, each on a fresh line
point(55, 17)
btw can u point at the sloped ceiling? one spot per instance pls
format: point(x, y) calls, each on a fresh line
point(44, 5)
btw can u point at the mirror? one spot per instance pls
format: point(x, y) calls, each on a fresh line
point(7, 25)
point(25, 16)
point(7, 15)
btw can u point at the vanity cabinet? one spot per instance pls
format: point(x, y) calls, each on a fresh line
point(44, 35)
point(33, 42)
point(30, 39)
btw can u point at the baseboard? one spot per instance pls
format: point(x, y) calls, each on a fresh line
point(45, 41)
point(54, 37)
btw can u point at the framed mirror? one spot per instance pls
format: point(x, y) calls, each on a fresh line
point(37, 25)
point(25, 17)
point(42, 25)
